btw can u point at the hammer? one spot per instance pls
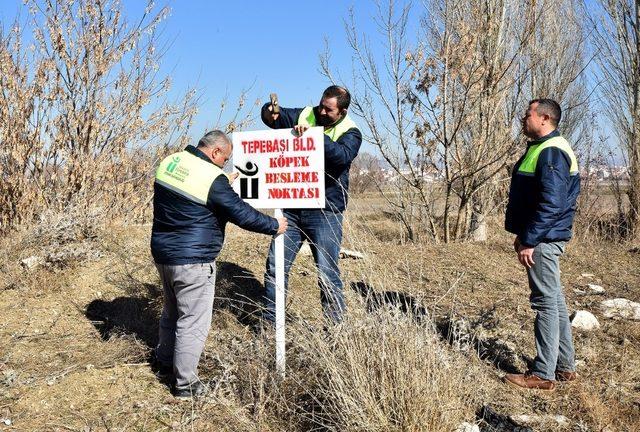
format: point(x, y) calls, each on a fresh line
point(274, 103)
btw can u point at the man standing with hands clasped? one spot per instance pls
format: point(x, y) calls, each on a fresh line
point(321, 227)
point(542, 202)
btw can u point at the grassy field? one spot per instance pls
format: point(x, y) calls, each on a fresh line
point(429, 333)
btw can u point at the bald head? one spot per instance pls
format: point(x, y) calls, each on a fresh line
point(217, 146)
point(213, 139)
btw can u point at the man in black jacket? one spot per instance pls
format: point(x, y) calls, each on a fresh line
point(321, 227)
point(192, 202)
point(542, 201)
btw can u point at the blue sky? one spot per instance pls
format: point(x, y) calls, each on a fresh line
point(273, 47)
point(224, 46)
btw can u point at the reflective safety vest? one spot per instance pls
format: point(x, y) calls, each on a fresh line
point(188, 175)
point(530, 161)
point(308, 118)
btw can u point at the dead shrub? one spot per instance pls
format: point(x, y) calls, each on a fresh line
point(59, 239)
point(84, 114)
point(383, 371)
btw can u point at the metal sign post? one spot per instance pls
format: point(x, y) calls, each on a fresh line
point(280, 170)
point(280, 301)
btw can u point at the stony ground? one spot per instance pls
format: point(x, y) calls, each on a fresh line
point(74, 339)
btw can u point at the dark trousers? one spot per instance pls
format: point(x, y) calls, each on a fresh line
point(323, 230)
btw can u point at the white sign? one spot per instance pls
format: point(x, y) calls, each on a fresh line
point(279, 170)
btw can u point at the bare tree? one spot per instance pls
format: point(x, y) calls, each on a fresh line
point(617, 40)
point(383, 82)
point(450, 103)
point(551, 62)
point(556, 59)
point(366, 174)
point(471, 51)
point(84, 111)
point(84, 115)
point(444, 107)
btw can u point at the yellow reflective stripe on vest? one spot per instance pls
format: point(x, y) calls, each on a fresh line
point(528, 165)
point(188, 175)
point(308, 118)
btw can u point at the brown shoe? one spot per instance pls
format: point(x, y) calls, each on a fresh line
point(528, 380)
point(566, 376)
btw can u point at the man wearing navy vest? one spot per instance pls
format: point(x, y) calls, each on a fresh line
point(192, 203)
point(322, 228)
point(542, 201)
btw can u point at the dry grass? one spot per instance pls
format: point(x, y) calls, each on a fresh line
point(74, 342)
point(382, 372)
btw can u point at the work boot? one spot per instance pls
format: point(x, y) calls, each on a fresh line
point(194, 390)
point(566, 376)
point(528, 380)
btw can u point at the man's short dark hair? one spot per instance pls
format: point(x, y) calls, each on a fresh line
point(548, 107)
point(342, 95)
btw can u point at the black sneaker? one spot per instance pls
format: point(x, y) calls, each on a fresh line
point(194, 390)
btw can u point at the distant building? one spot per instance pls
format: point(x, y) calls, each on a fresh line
point(605, 173)
point(429, 175)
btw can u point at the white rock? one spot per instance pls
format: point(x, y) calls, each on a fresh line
point(583, 320)
point(32, 262)
point(596, 288)
point(7, 422)
point(468, 427)
point(587, 275)
point(620, 308)
point(346, 253)
point(560, 420)
point(523, 418)
point(305, 249)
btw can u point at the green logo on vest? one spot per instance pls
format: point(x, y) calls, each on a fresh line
point(173, 164)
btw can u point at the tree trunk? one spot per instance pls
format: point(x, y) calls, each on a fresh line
point(478, 225)
point(634, 145)
point(634, 184)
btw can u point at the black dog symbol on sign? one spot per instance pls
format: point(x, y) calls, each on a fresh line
point(248, 187)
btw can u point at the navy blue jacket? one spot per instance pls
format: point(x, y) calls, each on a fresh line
point(338, 156)
point(541, 207)
point(185, 232)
